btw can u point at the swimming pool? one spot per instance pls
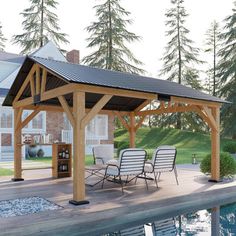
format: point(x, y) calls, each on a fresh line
point(219, 220)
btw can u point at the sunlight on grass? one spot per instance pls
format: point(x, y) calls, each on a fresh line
point(5, 172)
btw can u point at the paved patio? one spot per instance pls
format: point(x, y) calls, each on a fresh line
point(108, 208)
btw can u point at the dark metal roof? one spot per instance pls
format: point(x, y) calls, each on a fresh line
point(74, 73)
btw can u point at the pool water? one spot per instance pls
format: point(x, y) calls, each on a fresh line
point(220, 220)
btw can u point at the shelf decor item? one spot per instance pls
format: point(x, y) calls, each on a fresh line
point(61, 160)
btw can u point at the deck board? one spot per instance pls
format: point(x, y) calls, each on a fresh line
point(108, 205)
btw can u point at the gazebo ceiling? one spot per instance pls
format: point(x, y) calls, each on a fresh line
point(61, 73)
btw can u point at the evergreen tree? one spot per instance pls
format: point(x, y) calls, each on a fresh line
point(40, 25)
point(180, 55)
point(108, 37)
point(227, 73)
point(212, 47)
point(2, 39)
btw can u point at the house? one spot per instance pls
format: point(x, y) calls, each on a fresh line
point(99, 130)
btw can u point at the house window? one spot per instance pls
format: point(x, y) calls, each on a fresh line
point(6, 118)
point(98, 128)
point(38, 123)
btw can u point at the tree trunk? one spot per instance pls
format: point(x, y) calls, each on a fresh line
point(214, 63)
point(178, 121)
point(109, 63)
point(41, 25)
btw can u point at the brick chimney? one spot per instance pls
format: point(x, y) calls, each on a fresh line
point(73, 56)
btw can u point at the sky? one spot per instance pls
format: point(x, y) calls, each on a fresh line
point(148, 22)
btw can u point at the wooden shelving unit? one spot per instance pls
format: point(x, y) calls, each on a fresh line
point(61, 160)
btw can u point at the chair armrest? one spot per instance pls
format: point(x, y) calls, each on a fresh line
point(150, 163)
point(112, 165)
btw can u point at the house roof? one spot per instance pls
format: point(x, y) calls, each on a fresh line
point(3, 92)
point(11, 57)
point(74, 73)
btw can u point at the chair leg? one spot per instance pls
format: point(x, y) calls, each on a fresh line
point(145, 177)
point(156, 179)
point(159, 176)
point(121, 184)
point(176, 175)
point(103, 181)
point(126, 181)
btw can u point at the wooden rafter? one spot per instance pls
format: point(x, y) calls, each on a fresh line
point(99, 105)
point(37, 79)
point(44, 80)
point(25, 83)
point(67, 110)
point(194, 102)
point(32, 87)
point(52, 93)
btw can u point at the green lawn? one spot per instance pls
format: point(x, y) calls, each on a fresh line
point(5, 172)
point(186, 142)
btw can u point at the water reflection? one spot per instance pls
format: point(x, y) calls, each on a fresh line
point(216, 221)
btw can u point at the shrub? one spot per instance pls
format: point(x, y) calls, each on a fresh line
point(227, 165)
point(230, 147)
point(122, 145)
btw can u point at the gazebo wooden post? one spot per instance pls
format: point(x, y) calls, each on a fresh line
point(78, 150)
point(132, 131)
point(17, 146)
point(215, 146)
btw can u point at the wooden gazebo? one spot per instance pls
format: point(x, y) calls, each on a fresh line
point(82, 92)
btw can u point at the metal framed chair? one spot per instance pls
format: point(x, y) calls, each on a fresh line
point(163, 160)
point(130, 163)
point(102, 155)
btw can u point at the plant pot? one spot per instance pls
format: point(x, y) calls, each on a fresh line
point(32, 151)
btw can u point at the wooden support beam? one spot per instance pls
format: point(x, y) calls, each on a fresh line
point(44, 81)
point(67, 110)
point(32, 87)
point(17, 148)
point(144, 104)
point(99, 105)
point(122, 120)
point(194, 102)
point(215, 146)
point(52, 93)
point(210, 117)
point(19, 117)
point(115, 92)
point(132, 132)
point(79, 149)
point(38, 79)
point(27, 120)
point(25, 83)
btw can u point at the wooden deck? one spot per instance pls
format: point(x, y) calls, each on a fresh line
point(108, 208)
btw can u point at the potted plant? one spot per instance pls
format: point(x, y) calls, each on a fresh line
point(32, 150)
point(40, 153)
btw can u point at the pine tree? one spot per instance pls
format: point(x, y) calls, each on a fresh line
point(2, 39)
point(180, 55)
point(227, 73)
point(108, 37)
point(40, 25)
point(212, 47)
